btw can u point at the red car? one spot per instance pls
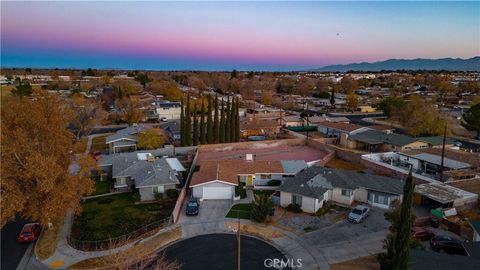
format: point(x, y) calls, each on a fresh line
point(97, 155)
point(421, 234)
point(29, 233)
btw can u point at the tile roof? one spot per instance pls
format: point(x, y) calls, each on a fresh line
point(292, 118)
point(340, 126)
point(259, 124)
point(314, 181)
point(228, 170)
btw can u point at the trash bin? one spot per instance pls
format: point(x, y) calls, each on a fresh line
point(435, 222)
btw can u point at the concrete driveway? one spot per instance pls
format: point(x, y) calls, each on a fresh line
point(346, 231)
point(344, 240)
point(210, 211)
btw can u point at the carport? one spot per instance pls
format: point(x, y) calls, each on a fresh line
point(442, 195)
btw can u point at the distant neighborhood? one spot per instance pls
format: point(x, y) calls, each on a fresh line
point(297, 159)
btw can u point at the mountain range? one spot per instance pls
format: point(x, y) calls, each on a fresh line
point(451, 64)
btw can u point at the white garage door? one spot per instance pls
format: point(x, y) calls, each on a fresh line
point(217, 193)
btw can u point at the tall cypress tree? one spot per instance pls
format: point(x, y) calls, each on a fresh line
point(221, 125)
point(209, 121)
point(216, 130)
point(188, 123)
point(227, 122)
point(398, 243)
point(195, 125)
point(202, 124)
point(237, 122)
point(233, 117)
point(182, 124)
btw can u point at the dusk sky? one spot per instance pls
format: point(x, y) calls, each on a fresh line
point(241, 35)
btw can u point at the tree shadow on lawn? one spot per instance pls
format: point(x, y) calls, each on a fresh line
point(116, 215)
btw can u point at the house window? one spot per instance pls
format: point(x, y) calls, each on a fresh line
point(297, 200)
point(265, 176)
point(379, 198)
point(121, 181)
point(347, 192)
point(158, 189)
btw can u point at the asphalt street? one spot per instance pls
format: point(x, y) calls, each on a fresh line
point(12, 252)
point(219, 251)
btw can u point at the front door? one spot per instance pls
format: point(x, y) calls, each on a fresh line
point(250, 180)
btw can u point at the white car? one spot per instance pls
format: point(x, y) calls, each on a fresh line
point(358, 214)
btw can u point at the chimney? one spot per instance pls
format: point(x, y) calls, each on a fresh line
point(249, 157)
point(151, 158)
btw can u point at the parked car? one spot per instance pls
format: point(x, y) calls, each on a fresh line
point(448, 245)
point(421, 234)
point(358, 214)
point(97, 155)
point(193, 207)
point(29, 233)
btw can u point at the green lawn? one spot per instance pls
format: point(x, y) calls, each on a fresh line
point(266, 192)
point(241, 210)
point(101, 187)
point(116, 215)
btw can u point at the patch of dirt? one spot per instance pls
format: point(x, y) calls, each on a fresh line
point(262, 231)
point(301, 223)
point(47, 243)
point(133, 254)
point(362, 263)
point(337, 163)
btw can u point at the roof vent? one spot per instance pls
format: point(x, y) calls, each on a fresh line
point(302, 185)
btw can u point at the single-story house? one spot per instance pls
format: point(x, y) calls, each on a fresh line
point(436, 141)
point(259, 127)
point(168, 110)
point(315, 120)
point(366, 109)
point(217, 179)
point(143, 171)
point(124, 140)
point(378, 141)
point(337, 129)
point(172, 128)
point(429, 164)
point(292, 121)
point(313, 186)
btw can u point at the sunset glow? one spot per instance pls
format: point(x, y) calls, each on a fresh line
point(223, 36)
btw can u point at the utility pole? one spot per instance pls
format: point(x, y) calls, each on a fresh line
point(308, 122)
point(238, 241)
point(443, 152)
